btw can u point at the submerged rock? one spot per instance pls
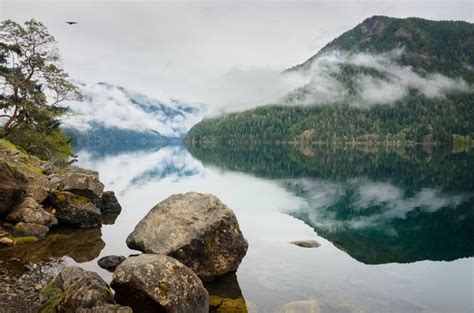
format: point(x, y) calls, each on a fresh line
point(306, 243)
point(196, 229)
point(158, 283)
point(304, 306)
point(74, 289)
point(75, 209)
point(110, 262)
point(30, 211)
point(30, 229)
point(225, 295)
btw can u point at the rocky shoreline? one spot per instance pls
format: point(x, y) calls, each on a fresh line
point(188, 240)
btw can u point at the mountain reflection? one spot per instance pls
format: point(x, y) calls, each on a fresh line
point(379, 206)
point(122, 169)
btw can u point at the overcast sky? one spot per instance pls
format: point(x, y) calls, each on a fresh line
point(214, 52)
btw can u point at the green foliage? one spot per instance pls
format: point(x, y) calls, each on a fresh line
point(54, 145)
point(415, 120)
point(445, 47)
point(442, 47)
point(462, 143)
point(32, 85)
point(414, 166)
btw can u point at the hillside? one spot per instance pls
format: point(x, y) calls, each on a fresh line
point(388, 80)
point(446, 47)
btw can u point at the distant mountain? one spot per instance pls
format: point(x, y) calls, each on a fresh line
point(110, 113)
point(388, 81)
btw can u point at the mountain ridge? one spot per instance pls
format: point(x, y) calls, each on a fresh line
point(370, 85)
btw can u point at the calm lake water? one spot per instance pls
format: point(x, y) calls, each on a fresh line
point(396, 226)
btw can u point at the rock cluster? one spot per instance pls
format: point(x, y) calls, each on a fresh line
point(34, 196)
point(186, 238)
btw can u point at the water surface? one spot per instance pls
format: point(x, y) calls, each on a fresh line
point(395, 225)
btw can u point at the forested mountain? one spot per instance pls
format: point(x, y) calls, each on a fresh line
point(446, 47)
point(387, 80)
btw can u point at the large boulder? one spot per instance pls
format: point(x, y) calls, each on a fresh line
point(30, 211)
point(74, 289)
point(82, 182)
point(158, 283)
point(12, 187)
point(74, 209)
point(196, 229)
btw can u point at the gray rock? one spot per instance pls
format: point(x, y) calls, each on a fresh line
point(108, 203)
point(30, 229)
point(158, 283)
point(82, 182)
point(74, 289)
point(110, 262)
point(29, 211)
point(75, 209)
point(196, 229)
point(109, 206)
point(306, 243)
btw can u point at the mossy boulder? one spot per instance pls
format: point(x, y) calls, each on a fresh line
point(196, 229)
point(158, 283)
point(75, 289)
point(74, 209)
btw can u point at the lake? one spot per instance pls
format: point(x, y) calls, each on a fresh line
point(395, 224)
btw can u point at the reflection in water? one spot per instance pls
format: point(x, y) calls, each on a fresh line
point(82, 245)
point(225, 295)
point(378, 206)
point(127, 170)
point(379, 223)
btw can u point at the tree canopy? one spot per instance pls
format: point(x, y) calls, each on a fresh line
point(32, 85)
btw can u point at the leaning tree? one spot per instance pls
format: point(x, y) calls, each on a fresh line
point(32, 82)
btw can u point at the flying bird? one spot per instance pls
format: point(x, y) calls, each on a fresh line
point(71, 23)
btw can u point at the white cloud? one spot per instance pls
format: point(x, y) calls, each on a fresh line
point(363, 196)
point(114, 106)
point(168, 49)
point(394, 84)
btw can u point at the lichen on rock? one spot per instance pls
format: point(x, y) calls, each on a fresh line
point(196, 229)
